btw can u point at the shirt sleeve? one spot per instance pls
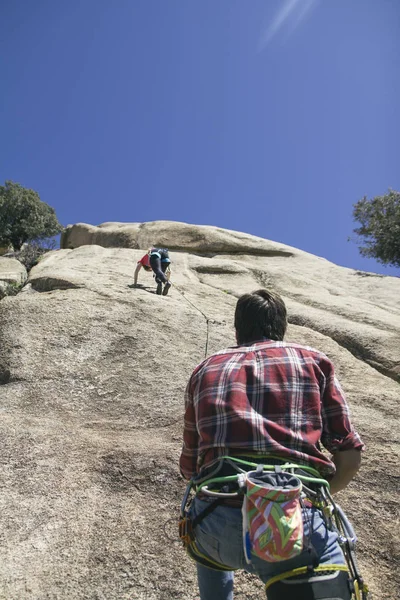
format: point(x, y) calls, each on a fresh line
point(338, 432)
point(189, 454)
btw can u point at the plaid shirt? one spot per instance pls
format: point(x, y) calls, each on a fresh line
point(270, 398)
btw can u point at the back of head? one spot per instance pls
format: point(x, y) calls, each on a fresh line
point(261, 314)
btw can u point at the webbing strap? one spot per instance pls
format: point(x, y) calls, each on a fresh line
point(304, 571)
point(313, 478)
point(260, 459)
point(212, 506)
point(196, 555)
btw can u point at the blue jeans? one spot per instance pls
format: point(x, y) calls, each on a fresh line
point(219, 536)
point(159, 268)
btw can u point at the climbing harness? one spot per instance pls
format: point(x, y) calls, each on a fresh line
point(265, 488)
point(327, 582)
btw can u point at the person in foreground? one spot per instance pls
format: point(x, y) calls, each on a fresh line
point(265, 401)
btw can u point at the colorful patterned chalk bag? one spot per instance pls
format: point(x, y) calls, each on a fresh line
point(272, 516)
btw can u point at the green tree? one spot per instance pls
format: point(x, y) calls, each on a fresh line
point(380, 227)
point(24, 217)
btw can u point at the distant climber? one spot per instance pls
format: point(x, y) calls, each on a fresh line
point(158, 261)
point(266, 402)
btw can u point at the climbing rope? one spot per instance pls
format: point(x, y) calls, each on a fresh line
point(208, 320)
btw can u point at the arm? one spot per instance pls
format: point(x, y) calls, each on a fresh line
point(347, 464)
point(138, 267)
point(339, 435)
point(188, 459)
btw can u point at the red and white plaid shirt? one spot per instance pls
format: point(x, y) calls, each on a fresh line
point(270, 398)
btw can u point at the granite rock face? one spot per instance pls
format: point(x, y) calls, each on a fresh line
point(359, 310)
point(92, 376)
point(12, 272)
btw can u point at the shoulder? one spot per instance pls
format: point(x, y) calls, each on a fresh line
point(274, 348)
point(306, 350)
point(307, 355)
point(268, 348)
point(213, 360)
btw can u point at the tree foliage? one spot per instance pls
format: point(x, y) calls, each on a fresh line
point(24, 217)
point(32, 252)
point(380, 227)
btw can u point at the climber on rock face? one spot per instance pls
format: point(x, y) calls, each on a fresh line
point(265, 402)
point(158, 261)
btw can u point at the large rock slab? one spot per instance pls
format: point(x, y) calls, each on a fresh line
point(92, 376)
point(359, 310)
point(202, 239)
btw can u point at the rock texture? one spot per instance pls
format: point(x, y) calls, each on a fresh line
point(92, 376)
point(11, 272)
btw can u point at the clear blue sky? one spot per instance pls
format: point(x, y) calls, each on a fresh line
point(266, 116)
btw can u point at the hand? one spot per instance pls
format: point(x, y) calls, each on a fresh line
point(347, 463)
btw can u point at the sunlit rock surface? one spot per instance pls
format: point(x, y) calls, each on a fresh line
point(93, 374)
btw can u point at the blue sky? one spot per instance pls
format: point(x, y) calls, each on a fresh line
point(266, 116)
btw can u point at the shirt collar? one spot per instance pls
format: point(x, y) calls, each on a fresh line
point(258, 345)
